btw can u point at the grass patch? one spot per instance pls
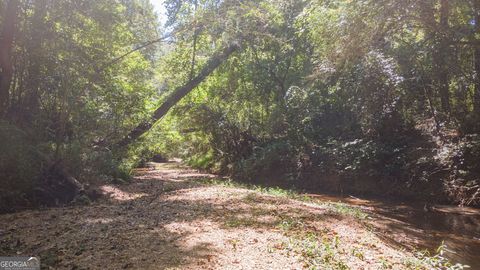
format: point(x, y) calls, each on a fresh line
point(425, 260)
point(339, 208)
point(274, 191)
point(236, 222)
point(346, 210)
point(318, 250)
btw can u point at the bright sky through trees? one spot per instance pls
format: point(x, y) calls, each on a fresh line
point(159, 9)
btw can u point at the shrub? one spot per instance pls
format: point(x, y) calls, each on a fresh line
point(21, 164)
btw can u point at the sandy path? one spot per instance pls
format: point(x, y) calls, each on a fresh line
point(166, 219)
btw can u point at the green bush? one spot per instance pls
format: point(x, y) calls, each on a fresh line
point(21, 163)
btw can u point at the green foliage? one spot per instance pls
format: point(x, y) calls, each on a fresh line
point(20, 162)
point(69, 91)
point(437, 261)
point(330, 90)
point(464, 178)
point(346, 210)
point(318, 251)
point(342, 95)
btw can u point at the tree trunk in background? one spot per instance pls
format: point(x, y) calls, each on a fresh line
point(440, 58)
point(476, 98)
point(35, 55)
point(195, 39)
point(178, 94)
point(6, 44)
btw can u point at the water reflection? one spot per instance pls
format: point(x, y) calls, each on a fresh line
point(424, 226)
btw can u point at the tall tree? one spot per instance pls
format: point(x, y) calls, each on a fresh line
point(441, 54)
point(36, 57)
point(6, 44)
point(476, 9)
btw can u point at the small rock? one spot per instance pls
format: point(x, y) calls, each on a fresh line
point(127, 265)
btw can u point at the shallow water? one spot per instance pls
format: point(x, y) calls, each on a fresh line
point(422, 226)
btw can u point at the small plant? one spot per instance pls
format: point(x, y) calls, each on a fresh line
point(234, 243)
point(344, 209)
point(290, 224)
point(424, 260)
point(317, 250)
point(385, 264)
point(358, 253)
point(236, 222)
point(276, 191)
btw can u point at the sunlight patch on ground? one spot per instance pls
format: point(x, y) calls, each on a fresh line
point(99, 221)
point(119, 195)
point(195, 225)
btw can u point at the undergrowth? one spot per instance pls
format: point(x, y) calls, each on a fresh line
point(425, 260)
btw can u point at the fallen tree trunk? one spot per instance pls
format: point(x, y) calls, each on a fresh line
point(178, 94)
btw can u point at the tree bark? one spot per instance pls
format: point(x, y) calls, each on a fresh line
point(195, 38)
point(6, 45)
point(36, 58)
point(178, 94)
point(476, 98)
point(441, 54)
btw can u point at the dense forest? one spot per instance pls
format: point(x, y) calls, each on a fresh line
point(240, 134)
point(362, 97)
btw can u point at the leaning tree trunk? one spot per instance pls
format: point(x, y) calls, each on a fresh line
point(6, 44)
point(178, 94)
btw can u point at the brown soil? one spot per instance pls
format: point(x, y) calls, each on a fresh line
point(167, 219)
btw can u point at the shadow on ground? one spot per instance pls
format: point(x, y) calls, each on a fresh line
point(167, 219)
point(164, 219)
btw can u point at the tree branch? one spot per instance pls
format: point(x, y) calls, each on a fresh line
point(179, 93)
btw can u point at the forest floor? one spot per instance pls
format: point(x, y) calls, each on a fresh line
point(173, 217)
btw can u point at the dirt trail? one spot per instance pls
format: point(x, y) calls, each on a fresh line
point(167, 219)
